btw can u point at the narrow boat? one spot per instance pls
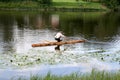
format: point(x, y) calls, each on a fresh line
point(57, 43)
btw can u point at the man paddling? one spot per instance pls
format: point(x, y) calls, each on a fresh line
point(59, 36)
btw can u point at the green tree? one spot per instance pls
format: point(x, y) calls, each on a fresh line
point(112, 4)
point(48, 2)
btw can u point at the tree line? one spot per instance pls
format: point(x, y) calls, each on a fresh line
point(48, 2)
point(112, 4)
point(109, 3)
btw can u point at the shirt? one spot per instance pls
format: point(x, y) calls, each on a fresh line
point(59, 35)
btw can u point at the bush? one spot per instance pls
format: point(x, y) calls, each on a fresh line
point(112, 4)
point(48, 2)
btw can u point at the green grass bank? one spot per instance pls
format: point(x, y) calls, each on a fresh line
point(56, 5)
point(94, 75)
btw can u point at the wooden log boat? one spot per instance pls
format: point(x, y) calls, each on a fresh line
point(57, 43)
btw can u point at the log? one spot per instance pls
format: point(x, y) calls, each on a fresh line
point(57, 43)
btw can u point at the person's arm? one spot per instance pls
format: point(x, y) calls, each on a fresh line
point(63, 35)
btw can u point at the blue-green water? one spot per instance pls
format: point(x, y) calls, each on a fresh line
point(19, 30)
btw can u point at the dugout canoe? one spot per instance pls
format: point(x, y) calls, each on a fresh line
point(57, 43)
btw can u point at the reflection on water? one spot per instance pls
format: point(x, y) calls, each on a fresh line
point(21, 30)
point(18, 30)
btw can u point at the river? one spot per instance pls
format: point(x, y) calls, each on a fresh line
point(19, 30)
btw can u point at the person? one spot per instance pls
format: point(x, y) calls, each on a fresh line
point(59, 36)
point(57, 48)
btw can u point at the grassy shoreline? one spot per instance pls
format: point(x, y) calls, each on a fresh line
point(94, 75)
point(56, 5)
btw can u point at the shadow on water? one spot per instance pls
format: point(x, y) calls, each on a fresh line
point(18, 30)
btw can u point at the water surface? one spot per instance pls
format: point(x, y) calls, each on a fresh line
point(19, 30)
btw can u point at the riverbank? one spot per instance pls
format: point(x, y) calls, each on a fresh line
point(94, 75)
point(57, 5)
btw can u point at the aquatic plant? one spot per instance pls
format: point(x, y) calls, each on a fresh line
point(38, 57)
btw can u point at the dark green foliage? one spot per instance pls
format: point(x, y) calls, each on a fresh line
point(111, 3)
point(48, 2)
point(12, 0)
point(45, 1)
